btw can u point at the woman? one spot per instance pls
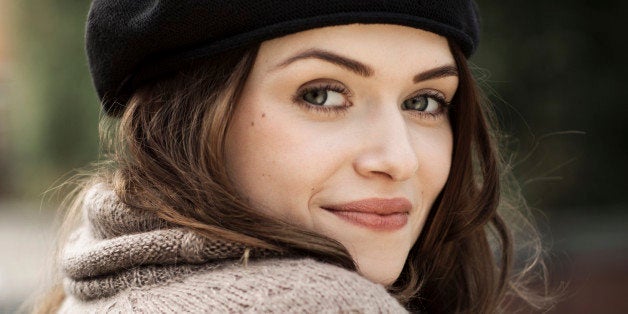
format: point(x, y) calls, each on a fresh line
point(289, 157)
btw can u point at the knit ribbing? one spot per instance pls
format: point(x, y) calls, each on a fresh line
point(118, 237)
point(124, 260)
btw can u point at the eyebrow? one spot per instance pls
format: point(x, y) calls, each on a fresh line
point(439, 72)
point(363, 69)
point(347, 63)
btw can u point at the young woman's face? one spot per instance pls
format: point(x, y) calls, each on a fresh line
point(344, 131)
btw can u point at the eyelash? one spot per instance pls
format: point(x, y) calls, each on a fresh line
point(443, 104)
point(298, 99)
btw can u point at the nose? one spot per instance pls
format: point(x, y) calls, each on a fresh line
point(388, 149)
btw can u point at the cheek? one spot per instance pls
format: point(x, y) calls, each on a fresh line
point(434, 148)
point(274, 159)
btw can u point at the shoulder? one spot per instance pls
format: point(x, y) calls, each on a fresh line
point(305, 285)
point(273, 285)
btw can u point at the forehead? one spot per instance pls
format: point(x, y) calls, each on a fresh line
point(381, 45)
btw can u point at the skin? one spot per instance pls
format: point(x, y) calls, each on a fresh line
point(290, 158)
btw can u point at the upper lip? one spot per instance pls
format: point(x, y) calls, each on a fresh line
point(380, 206)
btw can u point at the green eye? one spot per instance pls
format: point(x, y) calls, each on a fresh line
point(316, 97)
point(417, 103)
point(422, 103)
point(324, 97)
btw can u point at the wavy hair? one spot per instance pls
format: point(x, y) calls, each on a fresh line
point(166, 155)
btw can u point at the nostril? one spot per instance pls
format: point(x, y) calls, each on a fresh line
point(384, 174)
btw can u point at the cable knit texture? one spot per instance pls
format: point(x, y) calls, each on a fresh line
point(123, 260)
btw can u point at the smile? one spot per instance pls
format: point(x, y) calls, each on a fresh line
point(374, 213)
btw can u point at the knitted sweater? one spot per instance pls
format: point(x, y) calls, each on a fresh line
point(122, 260)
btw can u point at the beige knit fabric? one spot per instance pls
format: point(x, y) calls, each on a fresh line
point(122, 260)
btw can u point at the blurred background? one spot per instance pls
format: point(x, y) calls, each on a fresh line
point(554, 70)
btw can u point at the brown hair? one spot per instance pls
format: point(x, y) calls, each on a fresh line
point(167, 157)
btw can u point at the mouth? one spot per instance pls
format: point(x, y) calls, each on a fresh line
point(374, 213)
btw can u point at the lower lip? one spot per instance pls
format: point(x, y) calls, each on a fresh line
point(373, 221)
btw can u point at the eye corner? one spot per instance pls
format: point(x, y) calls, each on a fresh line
point(326, 90)
point(426, 99)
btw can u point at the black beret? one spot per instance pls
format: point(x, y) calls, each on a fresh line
point(130, 42)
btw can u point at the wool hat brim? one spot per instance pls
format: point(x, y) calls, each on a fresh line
point(132, 42)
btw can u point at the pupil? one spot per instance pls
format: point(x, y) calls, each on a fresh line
point(316, 97)
point(417, 103)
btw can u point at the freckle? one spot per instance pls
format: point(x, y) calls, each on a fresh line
point(252, 123)
point(263, 115)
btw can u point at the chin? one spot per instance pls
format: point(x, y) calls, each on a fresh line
point(385, 279)
point(379, 271)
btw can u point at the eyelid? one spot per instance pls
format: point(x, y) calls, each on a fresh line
point(324, 83)
point(434, 93)
point(437, 95)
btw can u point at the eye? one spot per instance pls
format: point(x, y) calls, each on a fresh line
point(427, 104)
point(424, 103)
point(323, 97)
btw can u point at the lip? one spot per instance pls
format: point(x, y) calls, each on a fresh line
point(374, 213)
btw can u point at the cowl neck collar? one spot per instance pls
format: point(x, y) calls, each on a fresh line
point(116, 247)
